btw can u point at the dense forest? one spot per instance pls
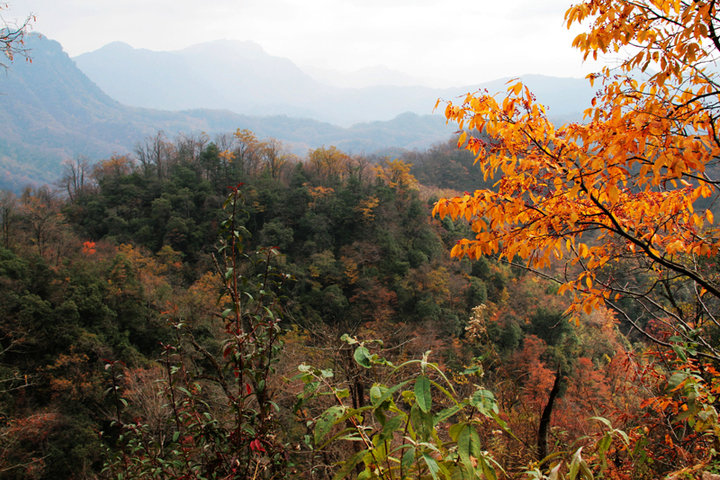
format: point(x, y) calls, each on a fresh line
point(226, 310)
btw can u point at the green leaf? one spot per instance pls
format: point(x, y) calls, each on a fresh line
point(602, 420)
point(228, 273)
point(624, 436)
point(468, 445)
point(348, 339)
point(376, 392)
point(455, 430)
point(390, 427)
point(485, 402)
point(555, 472)
point(446, 413)
point(432, 465)
point(184, 390)
point(362, 357)
point(408, 458)
point(365, 474)
point(473, 370)
point(423, 396)
point(676, 379)
point(585, 471)
point(326, 421)
point(487, 469)
point(422, 423)
point(578, 465)
point(604, 445)
point(380, 394)
point(573, 470)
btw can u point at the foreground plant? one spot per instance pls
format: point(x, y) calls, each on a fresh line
point(416, 428)
point(221, 420)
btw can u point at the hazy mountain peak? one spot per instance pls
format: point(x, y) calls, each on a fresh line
point(364, 77)
point(44, 45)
point(245, 49)
point(117, 45)
point(240, 76)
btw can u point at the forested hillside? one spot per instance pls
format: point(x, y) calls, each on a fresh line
point(127, 300)
point(526, 300)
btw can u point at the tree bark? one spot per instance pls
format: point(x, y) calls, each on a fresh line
point(542, 438)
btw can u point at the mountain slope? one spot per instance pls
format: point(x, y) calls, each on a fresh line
point(51, 111)
point(210, 75)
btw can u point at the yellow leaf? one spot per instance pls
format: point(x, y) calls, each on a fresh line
point(461, 139)
point(613, 193)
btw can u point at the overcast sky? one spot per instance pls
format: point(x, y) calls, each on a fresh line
point(455, 42)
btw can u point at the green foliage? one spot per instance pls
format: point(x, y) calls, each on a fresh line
point(446, 166)
point(477, 293)
point(552, 327)
point(418, 427)
point(275, 233)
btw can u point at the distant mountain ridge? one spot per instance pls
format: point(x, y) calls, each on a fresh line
point(51, 112)
point(363, 77)
point(242, 77)
point(211, 75)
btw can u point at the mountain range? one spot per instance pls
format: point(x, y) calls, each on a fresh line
point(241, 77)
point(107, 101)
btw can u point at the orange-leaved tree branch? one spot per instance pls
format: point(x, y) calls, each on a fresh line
point(625, 199)
point(12, 36)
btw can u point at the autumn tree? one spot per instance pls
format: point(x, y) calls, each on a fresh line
point(190, 147)
point(42, 217)
point(75, 179)
point(115, 166)
point(618, 209)
point(634, 185)
point(8, 207)
point(274, 158)
point(245, 152)
point(396, 174)
point(155, 154)
point(329, 165)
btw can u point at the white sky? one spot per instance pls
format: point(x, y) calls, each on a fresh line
point(455, 42)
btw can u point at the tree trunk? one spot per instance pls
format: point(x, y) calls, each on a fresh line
point(542, 438)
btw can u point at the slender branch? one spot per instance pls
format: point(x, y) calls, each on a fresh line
point(647, 249)
point(711, 26)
